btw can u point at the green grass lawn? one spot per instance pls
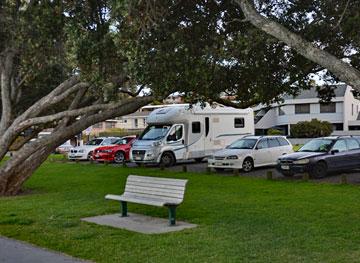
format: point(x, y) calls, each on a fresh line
point(240, 219)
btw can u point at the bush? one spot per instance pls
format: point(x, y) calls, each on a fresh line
point(272, 131)
point(311, 129)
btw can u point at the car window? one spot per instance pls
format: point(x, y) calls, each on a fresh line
point(95, 142)
point(113, 141)
point(175, 134)
point(340, 145)
point(273, 142)
point(106, 142)
point(282, 141)
point(352, 144)
point(262, 144)
point(243, 144)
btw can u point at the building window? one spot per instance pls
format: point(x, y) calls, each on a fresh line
point(239, 123)
point(144, 121)
point(98, 125)
point(328, 107)
point(195, 127)
point(338, 127)
point(302, 108)
point(352, 109)
point(281, 111)
point(109, 125)
point(136, 123)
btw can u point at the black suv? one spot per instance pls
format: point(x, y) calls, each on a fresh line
point(322, 155)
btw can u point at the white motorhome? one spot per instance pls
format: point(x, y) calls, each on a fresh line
point(184, 132)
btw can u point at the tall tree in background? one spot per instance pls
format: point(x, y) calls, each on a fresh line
point(60, 68)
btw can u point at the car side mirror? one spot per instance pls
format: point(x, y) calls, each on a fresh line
point(334, 151)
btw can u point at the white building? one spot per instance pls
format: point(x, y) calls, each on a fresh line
point(342, 111)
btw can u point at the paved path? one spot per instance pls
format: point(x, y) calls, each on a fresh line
point(12, 251)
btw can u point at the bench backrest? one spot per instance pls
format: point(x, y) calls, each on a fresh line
point(155, 187)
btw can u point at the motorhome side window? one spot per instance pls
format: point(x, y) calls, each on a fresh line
point(175, 134)
point(196, 127)
point(239, 123)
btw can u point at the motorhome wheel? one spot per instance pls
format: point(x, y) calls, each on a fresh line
point(167, 159)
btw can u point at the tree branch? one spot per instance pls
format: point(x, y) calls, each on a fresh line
point(132, 94)
point(342, 14)
point(342, 70)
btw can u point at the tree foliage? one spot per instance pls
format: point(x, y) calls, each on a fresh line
point(311, 129)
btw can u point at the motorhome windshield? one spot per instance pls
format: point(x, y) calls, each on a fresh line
point(154, 132)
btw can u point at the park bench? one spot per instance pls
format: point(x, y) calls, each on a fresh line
point(153, 191)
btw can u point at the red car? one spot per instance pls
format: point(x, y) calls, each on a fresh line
point(118, 152)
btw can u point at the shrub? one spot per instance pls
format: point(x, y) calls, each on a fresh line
point(311, 129)
point(272, 131)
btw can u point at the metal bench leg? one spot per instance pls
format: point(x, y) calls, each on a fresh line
point(172, 215)
point(123, 208)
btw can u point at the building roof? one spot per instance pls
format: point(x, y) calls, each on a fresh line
point(138, 114)
point(312, 93)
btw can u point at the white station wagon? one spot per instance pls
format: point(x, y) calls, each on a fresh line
point(250, 152)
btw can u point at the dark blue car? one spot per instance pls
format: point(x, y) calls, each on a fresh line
point(322, 155)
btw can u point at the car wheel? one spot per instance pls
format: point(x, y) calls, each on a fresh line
point(247, 165)
point(198, 160)
point(89, 157)
point(319, 170)
point(119, 157)
point(219, 169)
point(167, 159)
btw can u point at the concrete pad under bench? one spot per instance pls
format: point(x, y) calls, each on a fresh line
point(139, 223)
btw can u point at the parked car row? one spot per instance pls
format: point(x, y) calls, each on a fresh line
point(104, 149)
point(318, 157)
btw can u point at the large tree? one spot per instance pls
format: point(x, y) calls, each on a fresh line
point(60, 68)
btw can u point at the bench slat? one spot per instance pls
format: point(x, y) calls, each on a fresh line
point(152, 192)
point(143, 200)
point(156, 185)
point(153, 197)
point(164, 181)
point(153, 189)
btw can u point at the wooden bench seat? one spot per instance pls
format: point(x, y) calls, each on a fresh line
point(153, 191)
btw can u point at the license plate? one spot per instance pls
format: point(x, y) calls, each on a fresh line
point(285, 167)
point(137, 158)
point(97, 156)
point(218, 163)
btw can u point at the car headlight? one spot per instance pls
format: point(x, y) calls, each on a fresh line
point(157, 143)
point(81, 151)
point(301, 161)
point(232, 157)
point(107, 151)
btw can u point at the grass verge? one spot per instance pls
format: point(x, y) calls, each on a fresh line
point(240, 219)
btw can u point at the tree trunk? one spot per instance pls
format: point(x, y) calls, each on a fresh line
point(19, 172)
point(344, 71)
point(15, 171)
